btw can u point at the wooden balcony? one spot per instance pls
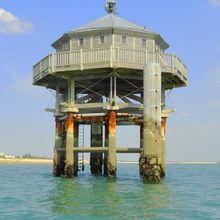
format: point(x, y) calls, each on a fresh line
point(117, 58)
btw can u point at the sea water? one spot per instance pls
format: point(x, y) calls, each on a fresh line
point(31, 192)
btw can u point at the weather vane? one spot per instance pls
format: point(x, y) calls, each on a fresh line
point(110, 6)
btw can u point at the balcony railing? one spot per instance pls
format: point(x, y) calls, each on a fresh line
point(111, 57)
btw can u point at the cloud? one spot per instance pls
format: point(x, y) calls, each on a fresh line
point(214, 2)
point(11, 24)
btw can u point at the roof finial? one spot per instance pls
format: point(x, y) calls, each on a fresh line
point(110, 6)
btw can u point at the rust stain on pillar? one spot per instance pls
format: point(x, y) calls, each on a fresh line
point(163, 127)
point(70, 123)
point(163, 147)
point(112, 123)
point(69, 168)
point(112, 163)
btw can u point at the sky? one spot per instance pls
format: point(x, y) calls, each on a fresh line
point(191, 28)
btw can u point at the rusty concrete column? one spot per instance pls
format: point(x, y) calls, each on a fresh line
point(106, 145)
point(63, 145)
point(163, 147)
point(76, 144)
point(141, 144)
point(58, 144)
point(69, 167)
point(112, 161)
point(150, 160)
point(70, 124)
point(96, 159)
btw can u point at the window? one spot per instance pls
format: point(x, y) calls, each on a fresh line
point(81, 41)
point(144, 42)
point(65, 46)
point(124, 40)
point(102, 39)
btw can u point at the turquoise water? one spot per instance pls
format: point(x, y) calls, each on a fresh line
point(31, 192)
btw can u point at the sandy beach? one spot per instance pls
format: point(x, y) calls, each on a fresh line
point(25, 161)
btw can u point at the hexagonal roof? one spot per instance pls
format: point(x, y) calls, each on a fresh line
point(111, 21)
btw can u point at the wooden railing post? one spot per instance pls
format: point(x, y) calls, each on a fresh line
point(53, 62)
point(70, 57)
point(133, 56)
point(40, 70)
point(146, 57)
point(173, 62)
point(81, 59)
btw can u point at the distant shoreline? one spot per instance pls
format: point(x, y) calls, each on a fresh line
point(25, 161)
point(50, 161)
point(172, 162)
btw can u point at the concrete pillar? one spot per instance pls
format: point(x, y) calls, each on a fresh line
point(112, 161)
point(150, 160)
point(62, 153)
point(76, 144)
point(163, 132)
point(106, 145)
point(69, 167)
point(58, 144)
point(163, 147)
point(96, 159)
point(141, 144)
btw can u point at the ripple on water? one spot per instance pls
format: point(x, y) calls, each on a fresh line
point(188, 192)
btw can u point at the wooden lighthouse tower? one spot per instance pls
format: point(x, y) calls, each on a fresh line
point(106, 73)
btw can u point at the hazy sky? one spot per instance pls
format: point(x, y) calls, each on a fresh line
point(192, 29)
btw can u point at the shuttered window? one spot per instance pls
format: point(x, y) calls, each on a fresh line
point(81, 41)
point(102, 39)
point(124, 40)
point(144, 42)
